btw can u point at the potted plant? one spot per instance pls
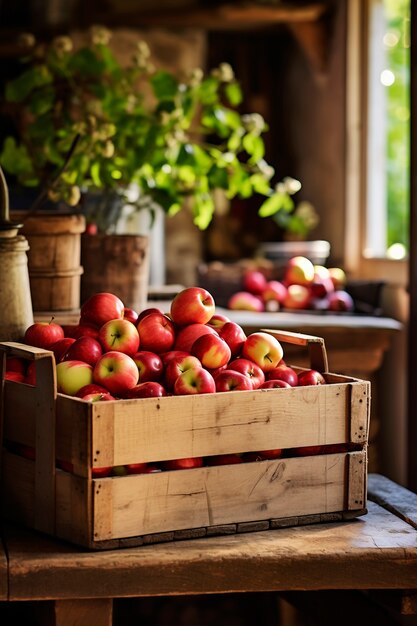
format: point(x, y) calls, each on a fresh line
point(89, 130)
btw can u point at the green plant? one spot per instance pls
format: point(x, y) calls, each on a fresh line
point(85, 123)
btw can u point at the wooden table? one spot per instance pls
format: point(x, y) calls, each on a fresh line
point(375, 552)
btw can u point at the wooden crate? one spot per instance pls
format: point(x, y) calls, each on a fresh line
point(131, 510)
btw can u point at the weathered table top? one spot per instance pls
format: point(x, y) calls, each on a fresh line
point(376, 551)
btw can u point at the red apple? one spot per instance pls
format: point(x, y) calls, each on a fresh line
point(91, 388)
point(307, 450)
point(85, 330)
point(156, 332)
point(172, 354)
point(322, 284)
point(137, 468)
point(341, 300)
point(189, 463)
point(264, 455)
point(298, 297)
point(187, 335)
point(223, 459)
point(116, 371)
point(146, 312)
point(148, 389)
point(245, 301)
point(65, 466)
point(101, 308)
point(31, 373)
point(283, 372)
point(310, 377)
point(254, 281)
point(231, 380)
point(98, 397)
point(263, 349)
point(299, 271)
point(18, 377)
point(16, 364)
point(150, 365)
point(178, 366)
point(194, 381)
point(85, 349)
point(274, 295)
point(249, 369)
point(217, 321)
point(192, 305)
point(130, 314)
point(101, 472)
point(274, 384)
point(212, 351)
point(72, 375)
point(120, 335)
point(234, 335)
point(60, 347)
point(43, 334)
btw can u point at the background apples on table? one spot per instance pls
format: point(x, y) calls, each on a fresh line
point(304, 286)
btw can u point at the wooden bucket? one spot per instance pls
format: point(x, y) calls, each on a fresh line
point(118, 264)
point(54, 259)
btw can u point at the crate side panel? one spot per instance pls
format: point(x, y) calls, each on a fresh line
point(357, 479)
point(176, 427)
point(18, 489)
point(223, 494)
point(73, 509)
point(73, 418)
point(360, 412)
point(19, 422)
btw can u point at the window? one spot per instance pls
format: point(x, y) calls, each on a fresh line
point(378, 134)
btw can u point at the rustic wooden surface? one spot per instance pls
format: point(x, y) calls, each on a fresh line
point(3, 573)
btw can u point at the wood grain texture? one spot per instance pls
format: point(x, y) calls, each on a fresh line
point(376, 551)
point(395, 498)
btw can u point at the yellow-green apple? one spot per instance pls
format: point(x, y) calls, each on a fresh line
point(231, 380)
point(299, 271)
point(283, 372)
point(211, 350)
point(149, 364)
point(189, 463)
point(72, 375)
point(298, 297)
point(249, 369)
point(195, 380)
point(60, 347)
point(338, 276)
point(341, 300)
point(187, 335)
point(263, 349)
point(43, 334)
point(148, 389)
point(177, 366)
point(223, 459)
point(130, 314)
point(245, 301)
point(274, 294)
point(254, 281)
point(156, 332)
point(234, 336)
point(310, 377)
point(85, 349)
point(100, 308)
point(121, 335)
point(98, 397)
point(218, 320)
point(192, 305)
point(116, 371)
point(91, 388)
point(16, 364)
point(274, 383)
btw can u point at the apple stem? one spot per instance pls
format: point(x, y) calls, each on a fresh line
point(51, 320)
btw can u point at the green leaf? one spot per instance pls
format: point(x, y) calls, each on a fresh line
point(233, 93)
point(254, 146)
point(203, 210)
point(165, 85)
point(95, 174)
point(273, 204)
point(18, 89)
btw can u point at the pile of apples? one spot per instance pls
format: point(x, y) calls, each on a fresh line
point(304, 286)
point(116, 353)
